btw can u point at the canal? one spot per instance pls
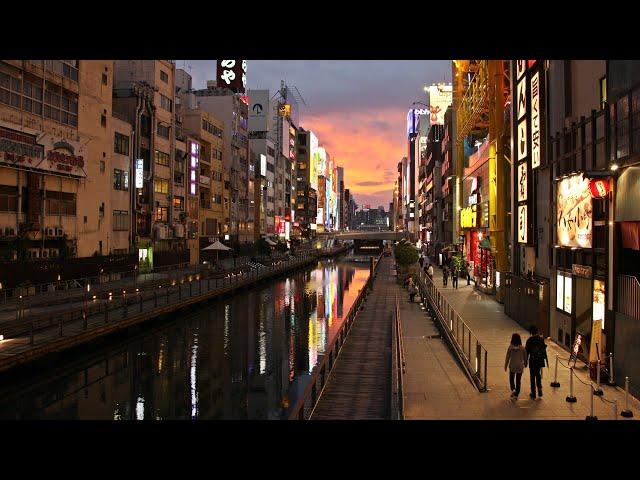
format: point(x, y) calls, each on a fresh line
point(245, 357)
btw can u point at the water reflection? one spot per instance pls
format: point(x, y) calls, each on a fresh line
point(247, 357)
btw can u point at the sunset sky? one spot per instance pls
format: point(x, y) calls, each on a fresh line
point(357, 109)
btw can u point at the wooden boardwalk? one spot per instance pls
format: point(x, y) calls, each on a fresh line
point(359, 386)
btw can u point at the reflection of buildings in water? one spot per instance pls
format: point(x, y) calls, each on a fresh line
point(312, 340)
point(193, 377)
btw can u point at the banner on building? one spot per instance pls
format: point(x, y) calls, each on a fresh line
point(232, 74)
point(440, 98)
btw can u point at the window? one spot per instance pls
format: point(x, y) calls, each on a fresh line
point(217, 176)
point(603, 91)
point(178, 178)
point(121, 144)
point(216, 154)
point(164, 77)
point(60, 203)
point(105, 79)
point(161, 185)
point(120, 220)
point(212, 129)
point(178, 203)
point(25, 94)
point(66, 68)
point(166, 103)
point(61, 105)
point(163, 131)
point(103, 120)
point(120, 179)
point(270, 167)
point(8, 199)
point(271, 152)
point(145, 126)
point(162, 158)
point(161, 214)
point(102, 166)
point(564, 291)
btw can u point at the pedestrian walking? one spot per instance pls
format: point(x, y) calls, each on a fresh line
point(454, 277)
point(537, 359)
point(421, 261)
point(430, 271)
point(516, 361)
point(468, 270)
point(413, 290)
point(445, 276)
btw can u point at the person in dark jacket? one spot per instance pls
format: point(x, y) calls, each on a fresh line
point(454, 277)
point(537, 359)
point(445, 276)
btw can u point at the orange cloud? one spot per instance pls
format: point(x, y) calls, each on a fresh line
point(368, 144)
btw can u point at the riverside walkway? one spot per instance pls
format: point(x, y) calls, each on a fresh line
point(433, 383)
point(358, 387)
point(102, 317)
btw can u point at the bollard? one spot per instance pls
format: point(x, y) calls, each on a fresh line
point(611, 381)
point(555, 383)
point(626, 413)
point(571, 398)
point(592, 416)
point(597, 390)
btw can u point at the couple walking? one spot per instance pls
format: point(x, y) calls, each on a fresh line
point(454, 276)
point(533, 354)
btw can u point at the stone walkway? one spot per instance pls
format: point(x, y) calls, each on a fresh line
point(434, 382)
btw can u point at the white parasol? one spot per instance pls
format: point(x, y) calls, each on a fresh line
point(217, 246)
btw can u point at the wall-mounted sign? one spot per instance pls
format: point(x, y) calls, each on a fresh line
point(522, 140)
point(284, 110)
point(440, 98)
point(232, 74)
point(574, 212)
point(522, 224)
point(599, 187)
point(522, 182)
point(521, 66)
point(139, 173)
point(598, 301)
point(412, 122)
point(535, 120)
point(263, 165)
point(522, 98)
point(583, 271)
point(469, 217)
point(258, 110)
point(194, 156)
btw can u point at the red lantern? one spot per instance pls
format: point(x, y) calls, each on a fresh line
point(599, 188)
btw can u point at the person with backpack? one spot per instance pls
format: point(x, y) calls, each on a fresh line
point(516, 360)
point(537, 359)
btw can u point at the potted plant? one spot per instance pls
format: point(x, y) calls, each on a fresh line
point(406, 260)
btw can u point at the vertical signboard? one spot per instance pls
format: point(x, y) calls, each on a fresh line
point(194, 154)
point(313, 152)
point(139, 173)
point(258, 110)
point(535, 120)
point(522, 182)
point(522, 224)
point(232, 74)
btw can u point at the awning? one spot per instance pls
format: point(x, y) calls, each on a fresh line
point(217, 245)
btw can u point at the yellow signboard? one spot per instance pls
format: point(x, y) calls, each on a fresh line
point(284, 110)
point(469, 216)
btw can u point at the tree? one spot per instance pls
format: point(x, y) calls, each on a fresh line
point(405, 254)
point(458, 262)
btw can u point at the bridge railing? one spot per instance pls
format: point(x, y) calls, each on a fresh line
point(468, 348)
point(306, 403)
point(397, 367)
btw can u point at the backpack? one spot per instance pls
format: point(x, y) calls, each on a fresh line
point(538, 352)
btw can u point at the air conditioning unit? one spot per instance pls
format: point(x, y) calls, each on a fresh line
point(59, 232)
point(54, 252)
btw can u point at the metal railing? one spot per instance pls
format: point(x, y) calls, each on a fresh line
point(468, 348)
point(117, 305)
point(306, 403)
point(629, 296)
point(397, 367)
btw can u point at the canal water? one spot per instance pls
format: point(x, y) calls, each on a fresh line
point(246, 357)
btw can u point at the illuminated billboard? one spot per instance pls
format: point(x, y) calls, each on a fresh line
point(258, 110)
point(412, 122)
point(232, 74)
point(440, 98)
point(574, 212)
point(313, 151)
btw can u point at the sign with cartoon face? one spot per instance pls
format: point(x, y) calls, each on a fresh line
point(574, 212)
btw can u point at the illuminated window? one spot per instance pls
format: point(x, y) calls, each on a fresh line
point(564, 283)
point(161, 185)
point(162, 158)
point(603, 91)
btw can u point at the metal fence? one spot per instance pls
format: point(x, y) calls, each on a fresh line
point(305, 404)
point(397, 367)
point(467, 346)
